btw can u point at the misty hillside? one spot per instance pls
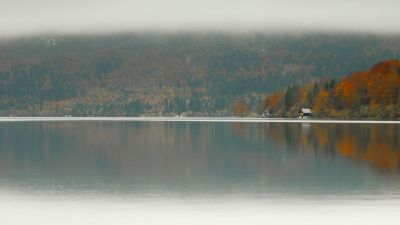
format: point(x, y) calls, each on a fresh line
point(57, 68)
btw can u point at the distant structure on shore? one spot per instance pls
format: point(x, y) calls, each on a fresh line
point(266, 113)
point(304, 113)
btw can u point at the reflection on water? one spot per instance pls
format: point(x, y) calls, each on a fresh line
point(198, 173)
point(256, 160)
point(378, 144)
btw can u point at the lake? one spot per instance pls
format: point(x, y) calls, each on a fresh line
point(198, 172)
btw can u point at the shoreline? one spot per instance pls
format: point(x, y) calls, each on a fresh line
point(195, 119)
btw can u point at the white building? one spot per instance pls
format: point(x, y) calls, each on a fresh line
point(305, 113)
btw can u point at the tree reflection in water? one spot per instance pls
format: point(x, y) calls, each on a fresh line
point(379, 144)
point(198, 157)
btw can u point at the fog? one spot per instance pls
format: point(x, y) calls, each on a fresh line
point(25, 17)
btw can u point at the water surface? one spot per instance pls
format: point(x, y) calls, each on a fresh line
point(176, 172)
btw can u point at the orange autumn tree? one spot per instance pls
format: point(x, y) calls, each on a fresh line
point(241, 107)
point(378, 86)
point(345, 91)
point(384, 82)
point(270, 102)
point(304, 91)
point(274, 101)
point(322, 104)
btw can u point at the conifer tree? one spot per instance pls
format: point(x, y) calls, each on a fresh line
point(316, 89)
point(332, 85)
point(288, 97)
point(166, 104)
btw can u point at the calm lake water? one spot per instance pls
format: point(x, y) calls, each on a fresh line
point(102, 172)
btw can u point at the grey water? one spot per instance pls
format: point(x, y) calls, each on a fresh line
point(191, 172)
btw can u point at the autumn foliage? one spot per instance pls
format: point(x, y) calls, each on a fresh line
point(35, 77)
point(241, 108)
point(322, 104)
point(353, 141)
point(372, 89)
point(274, 100)
point(370, 93)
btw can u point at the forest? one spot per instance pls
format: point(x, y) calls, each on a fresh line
point(373, 93)
point(187, 74)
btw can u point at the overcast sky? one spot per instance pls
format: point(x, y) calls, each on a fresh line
point(37, 17)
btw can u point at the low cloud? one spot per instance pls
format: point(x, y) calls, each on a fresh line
point(26, 17)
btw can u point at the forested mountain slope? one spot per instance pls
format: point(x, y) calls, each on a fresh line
point(37, 73)
point(373, 93)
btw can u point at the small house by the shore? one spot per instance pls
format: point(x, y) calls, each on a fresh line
point(266, 113)
point(304, 113)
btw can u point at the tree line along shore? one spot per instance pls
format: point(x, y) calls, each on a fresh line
point(200, 75)
point(373, 93)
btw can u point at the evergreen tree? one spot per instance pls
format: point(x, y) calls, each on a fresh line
point(194, 104)
point(333, 81)
point(166, 105)
point(190, 105)
point(148, 105)
point(316, 89)
point(288, 97)
point(171, 106)
point(197, 105)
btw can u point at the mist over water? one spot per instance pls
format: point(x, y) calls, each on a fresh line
point(171, 172)
point(175, 172)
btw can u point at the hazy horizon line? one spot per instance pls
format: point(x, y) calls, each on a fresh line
point(194, 32)
point(24, 18)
